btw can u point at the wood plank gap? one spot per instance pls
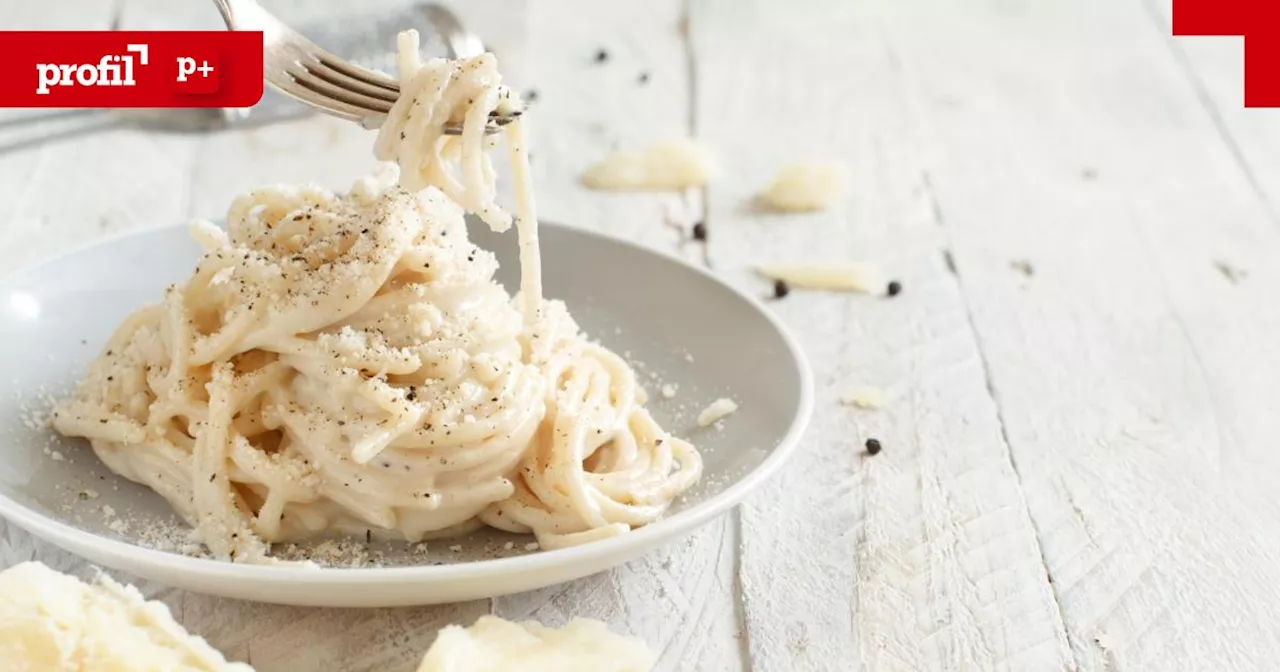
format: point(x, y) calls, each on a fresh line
point(739, 602)
point(935, 206)
point(691, 81)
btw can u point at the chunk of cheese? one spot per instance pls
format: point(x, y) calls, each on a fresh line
point(667, 166)
point(53, 622)
point(806, 187)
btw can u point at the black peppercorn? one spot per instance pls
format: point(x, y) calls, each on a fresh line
point(602, 56)
point(780, 289)
point(894, 288)
point(700, 231)
point(644, 78)
point(873, 446)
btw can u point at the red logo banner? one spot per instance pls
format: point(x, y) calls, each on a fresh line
point(1258, 22)
point(130, 69)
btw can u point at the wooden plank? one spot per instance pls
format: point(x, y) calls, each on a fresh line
point(679, 599)
point(1067, 136)
point(923, 557)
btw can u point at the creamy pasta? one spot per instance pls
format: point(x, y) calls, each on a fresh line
point(347, 364)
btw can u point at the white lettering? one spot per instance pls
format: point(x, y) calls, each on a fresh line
point(48, 73)
point(87, 75)
point(110, 70)
point(186, 66)
point(141, 50)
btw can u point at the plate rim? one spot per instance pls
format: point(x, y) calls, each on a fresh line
point(72, 539)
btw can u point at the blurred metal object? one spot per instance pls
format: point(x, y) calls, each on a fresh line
point(366, 39)
point(461, 43)
point(306, 72)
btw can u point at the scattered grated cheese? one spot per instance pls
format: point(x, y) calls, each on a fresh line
point(508, 546)
point(806, 187)
point(456, 548)
point(531, 546)
point(716, 411)
point(848, 277)
point(668, 391)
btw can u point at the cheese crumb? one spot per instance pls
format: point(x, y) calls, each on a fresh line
point(869, 398)
point(668, 391)
point(716, 411)
point(496, 645)
point(531, 546)
point(806, 187)
point(668, 166)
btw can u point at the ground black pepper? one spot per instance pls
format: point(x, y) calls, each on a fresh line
point(873, 446)
point(894, 288)
point(700, 231)
point(781, 289)
point(602, 56)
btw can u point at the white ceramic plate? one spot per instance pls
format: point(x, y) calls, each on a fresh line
point(684, 326)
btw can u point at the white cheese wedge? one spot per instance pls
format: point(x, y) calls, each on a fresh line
point(50, 621)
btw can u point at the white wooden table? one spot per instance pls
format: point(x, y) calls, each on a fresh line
point(1080, 462)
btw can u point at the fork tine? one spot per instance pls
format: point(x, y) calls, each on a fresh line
point(322, 101)
point(302, 70)
point(341, 80)
point(303, 77)
point(358, 73)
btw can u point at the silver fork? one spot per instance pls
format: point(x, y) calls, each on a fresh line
point(302, 70)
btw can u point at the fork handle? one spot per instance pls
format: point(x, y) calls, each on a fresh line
point(227, 12)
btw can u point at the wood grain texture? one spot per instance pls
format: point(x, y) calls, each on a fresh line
point(1079, 434)
point(1068, 137)
point(924, 557)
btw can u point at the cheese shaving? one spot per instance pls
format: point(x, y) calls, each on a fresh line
point(847, 277)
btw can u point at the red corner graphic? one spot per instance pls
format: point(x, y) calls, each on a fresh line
point(1258, 22)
